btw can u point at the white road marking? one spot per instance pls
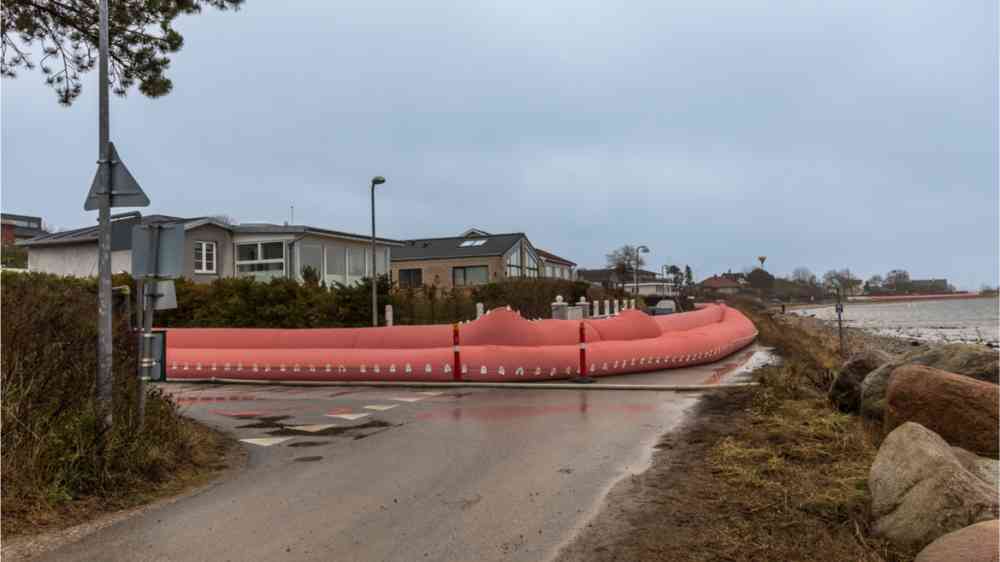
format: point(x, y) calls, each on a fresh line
point(432, 393)
point(381, 407)
point(351, 417)
point(265, 441)
point(406, 399)
point(312, 428)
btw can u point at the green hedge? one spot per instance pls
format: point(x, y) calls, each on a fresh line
point(50, 436)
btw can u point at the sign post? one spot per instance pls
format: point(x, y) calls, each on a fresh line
point(104, 194)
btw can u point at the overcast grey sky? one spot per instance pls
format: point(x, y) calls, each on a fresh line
point(850, 134)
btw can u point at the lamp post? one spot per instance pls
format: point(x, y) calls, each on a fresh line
point(377, 180)
point(635, 272)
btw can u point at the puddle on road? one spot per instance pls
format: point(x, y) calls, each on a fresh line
point(283, 431)
point(265, 422)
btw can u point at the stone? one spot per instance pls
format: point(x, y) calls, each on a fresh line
point(975, 543)
point(976, 361)
point(962, 410)
point(845, 392)
point(987, 469)
point(920, 491)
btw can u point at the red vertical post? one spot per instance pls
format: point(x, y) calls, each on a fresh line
point(457, 367)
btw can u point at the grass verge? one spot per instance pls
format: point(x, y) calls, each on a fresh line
point(768, 473)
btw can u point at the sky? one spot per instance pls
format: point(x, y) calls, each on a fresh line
point(851, 134)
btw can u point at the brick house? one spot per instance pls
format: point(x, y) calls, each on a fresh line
point(19, 227)
point(474, 258)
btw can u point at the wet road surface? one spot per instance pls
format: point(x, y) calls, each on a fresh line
point(398, 474)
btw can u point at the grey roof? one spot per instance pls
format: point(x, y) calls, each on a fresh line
point(450, 248)
point(267, 228)
point(121, 231)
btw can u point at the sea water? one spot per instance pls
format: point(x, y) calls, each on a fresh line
point(958, 320)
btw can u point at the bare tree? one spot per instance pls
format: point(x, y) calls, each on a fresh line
point(804, 276)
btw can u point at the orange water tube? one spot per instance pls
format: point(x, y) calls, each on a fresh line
point(500, 346)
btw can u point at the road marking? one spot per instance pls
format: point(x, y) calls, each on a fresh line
point(312, 428)
point(265, 441)
point(406, 399)
point(381, 407)
point(431, 393)
point(351, 417)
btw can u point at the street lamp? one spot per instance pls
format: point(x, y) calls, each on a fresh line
point(635, 272)
point(377, 180)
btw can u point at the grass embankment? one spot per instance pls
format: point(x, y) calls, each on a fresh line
point(56, 472)
point(768, 473)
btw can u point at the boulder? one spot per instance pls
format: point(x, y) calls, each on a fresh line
point(976, 361)
point(845, 392)
point(962, 410)
point(975, 543)
point(921, 491)
point(987, 469)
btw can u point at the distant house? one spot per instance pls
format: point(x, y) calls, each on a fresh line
point(216, 249)
point(612, 278)
point(929, 286)
point(721, 285)
point(474, 258)
point(556, 267)
point(19, 227)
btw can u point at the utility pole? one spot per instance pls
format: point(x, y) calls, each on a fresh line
point(104, 335)
point(377, 180)
point(840, 323)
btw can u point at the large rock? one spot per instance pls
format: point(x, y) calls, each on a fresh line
point(845, 392)
point(987, 469)
point(962, 410)
point(921, 491)
point(976, 361)
point(975, 543)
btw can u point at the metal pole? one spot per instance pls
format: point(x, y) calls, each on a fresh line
point(149, 296)
point(374, 277)
point(635, 273)
point(104, 334)
point(840, 323)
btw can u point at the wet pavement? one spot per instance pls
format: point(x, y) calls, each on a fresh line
point(361, 473)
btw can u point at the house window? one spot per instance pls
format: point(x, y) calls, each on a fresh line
point(473, 275)
point(311, 256)
point(411, 278)
point(514, 262)
point(531, 265)
point(204, 257)
point(336, 264)
point(472, 243)
point(356, 262)
point(262, 260)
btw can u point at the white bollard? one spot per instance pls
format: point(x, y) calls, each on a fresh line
point(616, 304)
point(480, 310)
point(597, 308)
point(631, 304)
point(607, 307)
point(388, 315)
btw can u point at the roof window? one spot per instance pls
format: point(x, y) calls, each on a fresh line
point(472, 243)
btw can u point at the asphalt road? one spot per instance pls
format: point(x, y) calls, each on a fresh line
point(400, 475)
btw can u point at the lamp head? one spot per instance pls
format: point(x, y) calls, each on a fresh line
point(378, 180)
point(643, 249)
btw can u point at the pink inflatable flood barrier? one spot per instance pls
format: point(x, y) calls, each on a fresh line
point(500, 346)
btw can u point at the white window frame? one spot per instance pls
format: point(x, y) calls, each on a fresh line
point(260, 252)
point(215, 257)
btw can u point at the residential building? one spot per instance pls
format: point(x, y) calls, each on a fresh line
point(19, 227)
point(474, 258)
point(721, 284)
point(929, 286)
point(659, 288)
point(216, 249)
point(612, 278)
point(556, 267)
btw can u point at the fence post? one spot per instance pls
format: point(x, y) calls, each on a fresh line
point(597, 308)
point(457, 367)
point(617, 303)
point(388, 315)
point(480, 310)
point(584, 306)
point(607, 307)
point(581, 376)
